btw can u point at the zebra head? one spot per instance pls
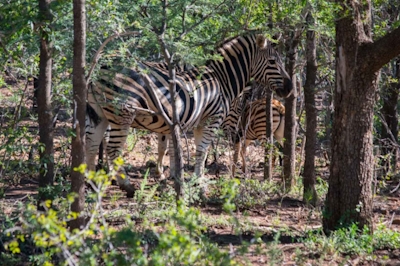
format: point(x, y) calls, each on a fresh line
point(268, 69)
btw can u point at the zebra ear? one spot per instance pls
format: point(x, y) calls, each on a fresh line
point(261, 41)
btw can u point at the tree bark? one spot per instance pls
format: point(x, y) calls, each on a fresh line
point(358, 61)
point(268, 145)
point(176, 138)
point(309, 192)
point(176, 158)
point(45, 114)
point(289, 147)
point(80, 93)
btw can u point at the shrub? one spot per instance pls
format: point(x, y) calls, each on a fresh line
point(180, 241)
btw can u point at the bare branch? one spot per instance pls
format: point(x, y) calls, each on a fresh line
point(164, 19)
point(183, 34)
point(392, 138)
point(184, 19)
point(100, 50)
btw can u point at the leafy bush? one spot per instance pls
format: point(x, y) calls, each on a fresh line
point(45, 236)
point(350, 241)
point(254, 193)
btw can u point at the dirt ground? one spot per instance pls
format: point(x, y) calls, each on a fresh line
point(288, 213)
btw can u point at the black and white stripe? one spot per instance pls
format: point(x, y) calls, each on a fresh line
point(121, 100)
point(246, 122)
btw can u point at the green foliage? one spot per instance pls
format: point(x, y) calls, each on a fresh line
point(385, 17)
point(16, 143)
point(275, 254)
point(350, 241)
point(243, 194)
point(179, 241)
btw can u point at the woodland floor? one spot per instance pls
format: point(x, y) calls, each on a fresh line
point(281, 212)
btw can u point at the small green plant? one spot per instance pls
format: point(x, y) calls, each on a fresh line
point(249, 193)
point(254, 193)
point(144, 195)
point(179, 241)
point(352, 241)
point(134, 137)
point(195, 189)
point(275, 254)
point(321, 187)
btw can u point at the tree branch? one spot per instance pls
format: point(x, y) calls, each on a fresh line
point(97, 55)
point(381, 51)
point(163, 27)
point(186, 31)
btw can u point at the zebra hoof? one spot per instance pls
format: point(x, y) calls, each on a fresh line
point(130, 191)
point(161, 177)
point(130, 194)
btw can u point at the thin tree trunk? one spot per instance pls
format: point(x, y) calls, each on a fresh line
point(289, 147)
point(268, 145)
point(80, 93)
point(45, 114)
point(328, 102)
point(176, 138)
point(309, 192)
point(389, 112)
point(176, 157)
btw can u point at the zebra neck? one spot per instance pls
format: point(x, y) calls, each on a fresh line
point(234, 70)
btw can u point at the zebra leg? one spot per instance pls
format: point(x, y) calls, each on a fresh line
point(94, 136)
point(117, 139)
point(202, 139)
point(103, 162)
point(162, 149)
point(243, 152)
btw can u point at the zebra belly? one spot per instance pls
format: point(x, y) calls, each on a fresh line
point(153, 123)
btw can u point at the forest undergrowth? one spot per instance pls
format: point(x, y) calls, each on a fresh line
point(246, 220)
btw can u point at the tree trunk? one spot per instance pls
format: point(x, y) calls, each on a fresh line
point(358, 61)
point(80, 94)
point(289, 147)
point(390, 130)
point(45, 112)
point(268, 145)
point(349, 196)
point(176, 138)
point(178, 160)
point(309, 192)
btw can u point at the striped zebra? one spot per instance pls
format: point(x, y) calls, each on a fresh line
point(249, 124)
point(204, 96)
point(245, 123)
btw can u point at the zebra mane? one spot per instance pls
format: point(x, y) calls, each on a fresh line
point(230, 39)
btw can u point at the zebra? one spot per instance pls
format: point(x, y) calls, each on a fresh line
point(204, 95)
point(246, 120)
point(251, 125)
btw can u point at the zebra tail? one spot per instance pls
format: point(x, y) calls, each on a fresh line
point(92, 115)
